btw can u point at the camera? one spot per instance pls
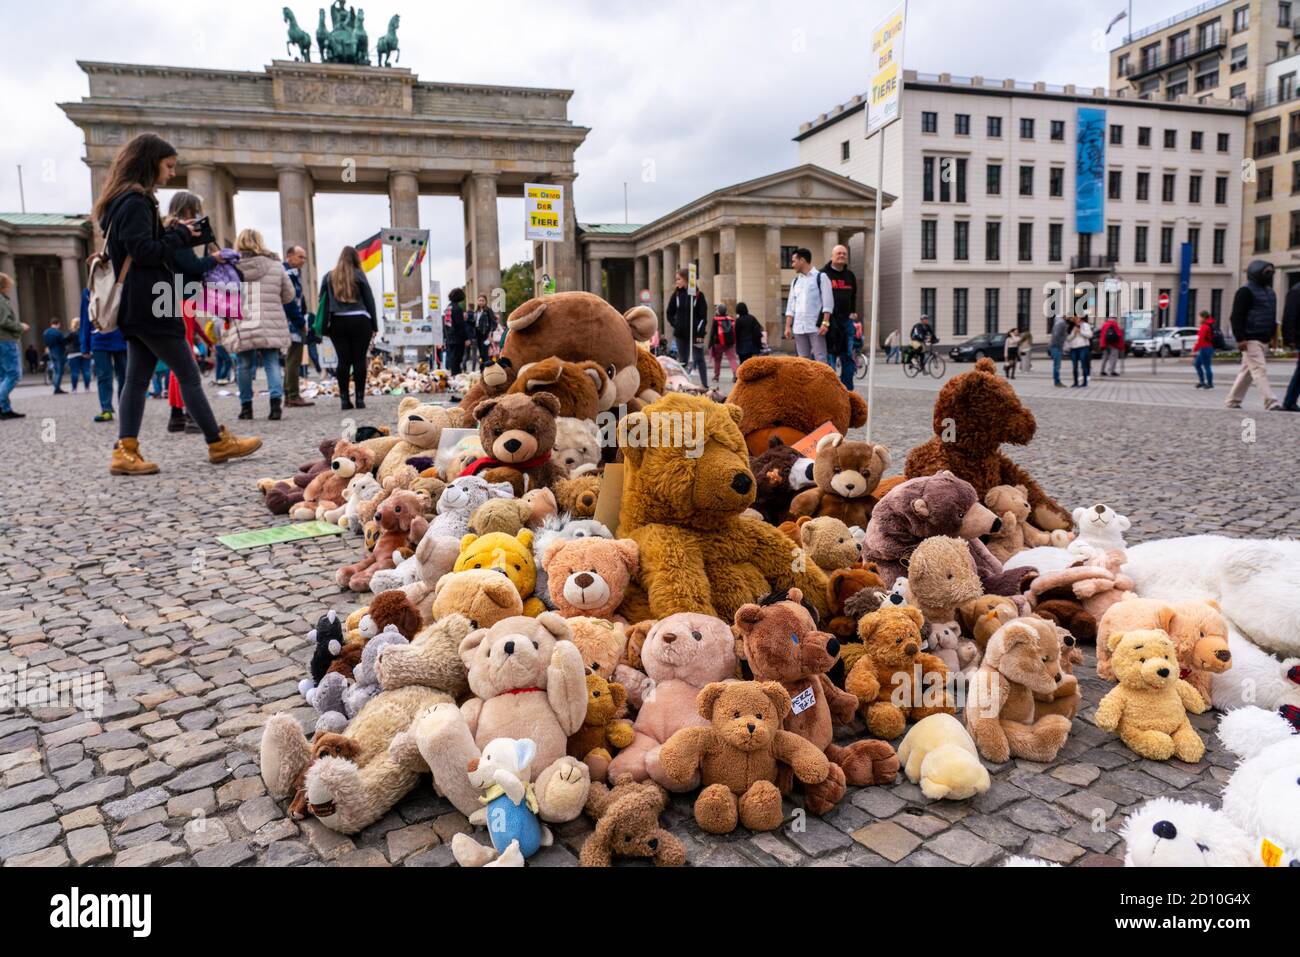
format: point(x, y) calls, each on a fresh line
point(205, 236)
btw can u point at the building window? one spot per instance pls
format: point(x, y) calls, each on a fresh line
point(1191, 305)
point(991, 309)
point(1241, 19)
point(1058, 130)
point(961, 240)
point(1268, 137)
point(945, 179)
point(1207, 35)
point(787, 256)
point(1293, 131)
point(844, 152)
point(1263, 229)
point(1150, 55)
point(1216, 302)
point(1122, 68)
point(1286, 87)
point(961, 124)
point(1295, 177)
point(1112, 244)
point(1144, 136)
point(1198, 140)
point(1056, 181)
point(1284, 13)
point(1026, 181)
point(1225, 141)
point(1264, 183)
point(960, 299)
point(1140, 244)
point(1294, 240)
point(1024, 302)
point(1194, 240)
point(1177, 85)
point(961, 179)
point(927, 179)
point(929, 239)
point(1283, 49)
point(1026, 242)
point(1084, 251)
point(993, 179)
point(1220, 190)
point(929, 303)
point(1116, 135)
point(993, 241)
point(1220, 245)
point(1206, 81)
point(1026, 129)
point(995, 127)
point(929, 122)
point(1180, 45)
point(1194, 188)
point(1167, 186)
point(1171, 139)
point(1236, 92)
point(1166, 244)
point(1054, 244)
point(1144, 186)
point(1114, 184)
point(1237, 59)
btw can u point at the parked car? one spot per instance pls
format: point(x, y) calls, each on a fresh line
point(1164, 342)
point(991, 344)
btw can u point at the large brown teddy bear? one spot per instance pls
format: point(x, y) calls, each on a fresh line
point(518, 434)
point(419, 430)
point(846, 474)
point(887, 669)
point(740, 755)
point(682, 504)
point(939, 504)
point(789, 397)
point(1197, 628)
point(576, 327)
point(1001, 711)
point(580, 387)
point(781, 643)
point(976, 413)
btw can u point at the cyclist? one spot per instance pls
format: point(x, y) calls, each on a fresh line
point(923, 339)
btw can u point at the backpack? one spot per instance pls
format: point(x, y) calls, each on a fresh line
point(221, 287)
point(105, 288)
point(1112, 338)
point(726, 331)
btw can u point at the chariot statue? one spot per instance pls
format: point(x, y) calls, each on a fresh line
point(344, 39)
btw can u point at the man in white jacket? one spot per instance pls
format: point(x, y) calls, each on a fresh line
point(808, 310)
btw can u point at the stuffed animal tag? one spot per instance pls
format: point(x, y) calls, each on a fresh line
point(1270, 853)
point(803, 700)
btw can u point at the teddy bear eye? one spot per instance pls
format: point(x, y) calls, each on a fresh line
point(531, 430)
point(517, 568)
point(697, 636)
point(627, 838)
point(595, 694)
point(536, 645)
point(473, 625)
point(736, 715)
point(759, 716)
point(478, 564)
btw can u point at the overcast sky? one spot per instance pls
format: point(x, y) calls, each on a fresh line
point(704, 94)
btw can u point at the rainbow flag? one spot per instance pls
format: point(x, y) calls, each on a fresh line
point(417, 257)
point(371, 251)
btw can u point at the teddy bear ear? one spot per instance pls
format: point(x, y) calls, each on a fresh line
point(707, 697)
point(642, 321)
point(828, 442)
point(525, 750)
point(630, 552)
point(1024, 492)
point(920, 507)
point(407, 404)
point(759, 367)
point(525, 537)
point(467, 541)
point(914, 614)
point(619, 694)
point(735, 411)
point(779, 697)
point(482, 410)
point(469, 644)
point(882, 453)
point(747, 616)
point(1113, 641)
point(556, 625)
point(547, 401)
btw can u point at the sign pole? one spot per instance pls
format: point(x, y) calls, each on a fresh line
point(873, 342)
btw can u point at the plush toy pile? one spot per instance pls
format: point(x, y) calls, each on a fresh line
point(761, 615)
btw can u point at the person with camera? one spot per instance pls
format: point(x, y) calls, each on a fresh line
point(190, 267)
point(140, 250)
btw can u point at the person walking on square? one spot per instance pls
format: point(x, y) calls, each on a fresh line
point(1026, 350)
point(1011, 358)
point(721, 341)
point(844, 298)
point(808, 310)
point(262, 331)
point(749, 334)
point(350, 322)
point(485, 322)
point(11, 333)
point(1254, 323)
point(295, 257)
point(689, 323)
point(127, 212)
point(1056, 348)
point(457, 332)
point(33, 358)
point(1203, 352)
point(893, 352)
point(107, 353)
point(1079, 343)
point(190, 267)
point(56, 347)
point(1291, 337)
point(78, 361)
point(1112, 346)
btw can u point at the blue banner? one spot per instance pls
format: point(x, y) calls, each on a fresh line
point(1184, 285)
point(1090, 171)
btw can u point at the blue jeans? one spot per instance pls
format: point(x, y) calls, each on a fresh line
point(108, 365)
point(1055, 353)
point(269, 359)
point(847, 366)
point(1293, 390)
point(1081, 361)
point(11, 369)
point(79, 366)
point(58, 362)
point(1204, 363)
point(223, 363)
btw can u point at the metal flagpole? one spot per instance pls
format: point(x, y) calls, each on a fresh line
point(873, 342)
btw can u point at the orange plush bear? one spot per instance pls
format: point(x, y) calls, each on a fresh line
point(893, 667)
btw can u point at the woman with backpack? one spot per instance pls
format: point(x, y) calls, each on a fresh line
point(721, 341)
point(1112, 346)
point(749, 334)
point(348, 318)
point(139, 254)
point(262, 331)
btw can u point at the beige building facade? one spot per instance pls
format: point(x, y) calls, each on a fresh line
point(983, 234)
point(45, 253)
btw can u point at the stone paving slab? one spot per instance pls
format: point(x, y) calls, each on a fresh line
point(198, 646)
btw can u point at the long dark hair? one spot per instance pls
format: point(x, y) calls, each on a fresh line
point(134, 167)
point(343, 279)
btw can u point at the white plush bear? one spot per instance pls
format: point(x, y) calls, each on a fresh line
point(577, 445)
point(1168, 833)
point(1100, 530)
point(1257, 586)
point(939, 754)
point(1263, 795)
point(361, 488)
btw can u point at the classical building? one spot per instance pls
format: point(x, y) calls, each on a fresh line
point(741, 238)
point(46, 255)
point(303, 128)
point(997, 203)
point(1246, 50)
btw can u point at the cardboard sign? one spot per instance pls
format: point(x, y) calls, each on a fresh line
point(278, 534)
point(807, 446)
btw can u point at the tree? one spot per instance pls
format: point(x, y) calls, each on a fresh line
point(517, 281)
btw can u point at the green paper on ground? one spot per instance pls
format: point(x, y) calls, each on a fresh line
point(242, 541)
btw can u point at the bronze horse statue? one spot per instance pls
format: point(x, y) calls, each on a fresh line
point(387, 44)
point(298, 37)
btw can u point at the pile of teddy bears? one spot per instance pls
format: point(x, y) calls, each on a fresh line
point(392, 379)
point(765, 617)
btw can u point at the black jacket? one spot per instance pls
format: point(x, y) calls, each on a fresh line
point(1254, 307)
point(134, 229)
point(679, 307)
point(749, 335)
point(364, 296)
point(1291, 318)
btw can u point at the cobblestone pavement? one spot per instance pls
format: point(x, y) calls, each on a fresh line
point(199, 645)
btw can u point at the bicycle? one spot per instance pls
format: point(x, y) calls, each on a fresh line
point(926, 360)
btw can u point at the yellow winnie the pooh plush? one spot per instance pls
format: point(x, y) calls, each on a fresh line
point(1149, 707)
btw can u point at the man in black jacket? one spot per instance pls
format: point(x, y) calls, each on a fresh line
point(1254, 323)
point(1291, 336)
point(844, 290)
point(689, 330)
point(457, 337)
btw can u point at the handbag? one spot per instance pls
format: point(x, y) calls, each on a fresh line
point(105, 288)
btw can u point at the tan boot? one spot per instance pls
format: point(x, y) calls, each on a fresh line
point(127, 460)
point(228, 447)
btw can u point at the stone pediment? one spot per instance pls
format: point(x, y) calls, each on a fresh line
point(805, 183)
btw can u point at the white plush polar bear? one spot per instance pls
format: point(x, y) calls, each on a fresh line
point(1098, 530)
point(1168, 833)
point(1257, 585)
point(1263, 795)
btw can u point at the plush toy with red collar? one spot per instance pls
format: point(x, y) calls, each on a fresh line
point(518, 435)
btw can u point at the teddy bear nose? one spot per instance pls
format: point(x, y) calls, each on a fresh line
point(1058, 677)
point(1163, 672)
point(1223, 655)
point(510, 647)
point(750, 726)
point(653, 844)
point(414, 418)
point(583, 580)
point(997, 525)
point(1165, 830)
point(1101, 509)
point(832, 647)
point(512, 445)
point(669, 637)
point(742, 483)
point(910, 649)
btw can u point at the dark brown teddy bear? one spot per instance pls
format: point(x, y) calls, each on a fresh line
point(789, 397)
point(846, 474)
point(627, 825)
point(774, 488)
point(976, 413)
point(396, 609)
point(579, 386)
point(518, 433)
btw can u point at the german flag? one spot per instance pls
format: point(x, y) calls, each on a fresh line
point(371, 251)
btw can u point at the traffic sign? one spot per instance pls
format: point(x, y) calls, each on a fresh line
point(1163, 301)
point(645, 297)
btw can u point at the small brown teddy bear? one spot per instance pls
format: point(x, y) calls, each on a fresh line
point(392, 608)
point(505, 515)
point(941, 576)
point(578, 387)
point(846, 474)
point(1011, 504)
point(1149, 706)
point(517, 433)
point(324, 745)
point(826, 541)
point(627, 825)
point(739, 756)
point(578, 496)
point(889, 669)
point(602, 733)
point(980, 618)
point(842, 585)
point(775, 486)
